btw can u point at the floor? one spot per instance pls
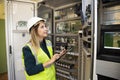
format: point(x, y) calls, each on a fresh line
point(3, 76)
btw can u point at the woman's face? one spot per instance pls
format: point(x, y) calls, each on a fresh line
point(42, 30)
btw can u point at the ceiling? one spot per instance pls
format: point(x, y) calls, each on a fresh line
point(58, 3)
point(53, 3)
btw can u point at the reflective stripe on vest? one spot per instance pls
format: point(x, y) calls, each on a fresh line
point(42, 57)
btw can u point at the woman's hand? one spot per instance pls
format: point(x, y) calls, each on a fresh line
point(63, 52)
point(57, 56)
point(54, 58)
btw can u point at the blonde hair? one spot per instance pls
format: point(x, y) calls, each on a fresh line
point(34, 35)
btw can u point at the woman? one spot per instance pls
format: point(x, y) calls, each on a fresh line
point(38, 55)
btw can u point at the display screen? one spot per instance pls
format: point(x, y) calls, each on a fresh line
point(112, 40)
point(109, 43)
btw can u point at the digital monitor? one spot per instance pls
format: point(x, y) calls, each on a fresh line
point(109, 43)
point(112, 40)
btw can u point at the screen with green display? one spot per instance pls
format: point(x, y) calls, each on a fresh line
point(112, 40)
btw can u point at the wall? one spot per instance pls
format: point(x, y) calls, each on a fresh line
point(3, 59)
point(2, 9)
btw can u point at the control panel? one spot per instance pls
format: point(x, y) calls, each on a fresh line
point(67, 25)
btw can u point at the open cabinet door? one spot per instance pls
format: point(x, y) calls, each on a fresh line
point(89, 8)
point(18, 13)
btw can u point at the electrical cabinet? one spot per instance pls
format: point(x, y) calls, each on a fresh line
point(109, 31)
point(67, 24)
point(108, 35)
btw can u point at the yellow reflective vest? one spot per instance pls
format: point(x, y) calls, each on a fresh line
point(42, 57)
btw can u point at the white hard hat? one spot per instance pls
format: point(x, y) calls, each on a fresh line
point(33, 21)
